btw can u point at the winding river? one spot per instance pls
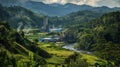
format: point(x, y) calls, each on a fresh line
point(71, 47)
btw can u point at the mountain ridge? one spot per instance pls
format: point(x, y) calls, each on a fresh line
point(56, 9)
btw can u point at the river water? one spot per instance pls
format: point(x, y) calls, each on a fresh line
point(71, 47)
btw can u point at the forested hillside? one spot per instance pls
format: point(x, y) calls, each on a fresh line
point(18, 15)
point(21, 16)
point(100, 36)
point(17, 50)
point(79, 17)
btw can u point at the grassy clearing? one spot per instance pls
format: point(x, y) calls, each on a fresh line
point(90, 58)
point(52, 65)
point(33, 36)
point(55, 50)
point(60, 54)
point(55, 60)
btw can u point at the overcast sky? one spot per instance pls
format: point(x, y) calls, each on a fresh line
point(109, 3)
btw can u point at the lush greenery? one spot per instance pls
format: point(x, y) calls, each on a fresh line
point(75, 18)
point(63, 57)
point(16, 15)
point(16, 50)
point(100, 36)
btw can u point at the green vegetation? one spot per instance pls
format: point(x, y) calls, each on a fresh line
point(21, 52)
point(62, 56)
point(100, 36)
point(16, 14)
point(16, 50)
point(75, 18)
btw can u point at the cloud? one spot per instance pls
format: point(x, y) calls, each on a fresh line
point(109, 3)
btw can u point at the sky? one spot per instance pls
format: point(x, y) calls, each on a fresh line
point(96, 3)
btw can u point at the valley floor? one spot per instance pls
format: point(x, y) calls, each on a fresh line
point(59, 55)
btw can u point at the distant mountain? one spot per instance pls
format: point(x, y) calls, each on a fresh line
point(16, 14)
point(55, 9)
point(75, 18)
point(12, 2)
point(61, 10)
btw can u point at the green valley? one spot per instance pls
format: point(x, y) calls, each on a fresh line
point(80, 39)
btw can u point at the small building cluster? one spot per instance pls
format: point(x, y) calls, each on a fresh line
point(46, 27)
point(49, 39)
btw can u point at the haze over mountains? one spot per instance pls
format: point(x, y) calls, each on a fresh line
point(55, 9)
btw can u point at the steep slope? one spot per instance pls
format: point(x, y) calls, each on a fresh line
point(18, 15)
point(106, 36)
point(14, 48)
point(101, 36)
point(3, 13)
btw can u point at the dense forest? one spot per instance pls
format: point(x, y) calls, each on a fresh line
point(100, 36)
point(16, 50)
point(75, 18)
point(18, 15)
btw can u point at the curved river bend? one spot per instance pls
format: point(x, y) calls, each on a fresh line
point(71, 47)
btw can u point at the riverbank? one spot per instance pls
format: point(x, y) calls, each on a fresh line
point(71, 47)
point(60, 54)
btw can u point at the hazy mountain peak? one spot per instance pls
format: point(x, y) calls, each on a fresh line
point(56, 9)
point(55, 4)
